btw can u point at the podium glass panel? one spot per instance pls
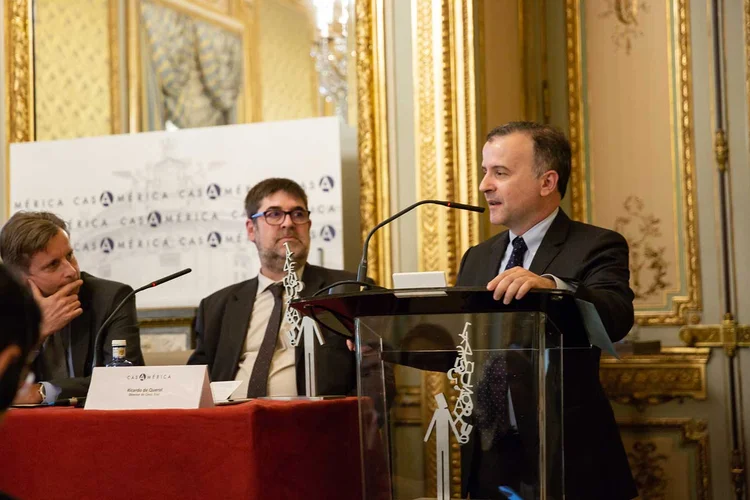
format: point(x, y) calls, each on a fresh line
point(491, 405)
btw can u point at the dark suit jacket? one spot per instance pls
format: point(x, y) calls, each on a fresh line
point(221, 329)
point(596, 260)
point(98, 298)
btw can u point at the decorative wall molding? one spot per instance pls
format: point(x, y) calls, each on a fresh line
point(648, 464)
point(728, 335)
point(680, 306)
point(372, 130)
point(446, 137)
point(650, 379)
point(19, 89)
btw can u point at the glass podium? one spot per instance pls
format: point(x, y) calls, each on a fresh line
point(490, 419)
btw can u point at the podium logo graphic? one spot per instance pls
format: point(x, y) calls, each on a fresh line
point(213, 191)
point(154, 219)
point(150, 376)
point(326, 183)
point(107, 245)
point(106, 198)
point(328, 233)
point(214, 239)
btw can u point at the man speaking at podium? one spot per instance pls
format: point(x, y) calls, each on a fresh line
point(240, 331)
point(526, 169)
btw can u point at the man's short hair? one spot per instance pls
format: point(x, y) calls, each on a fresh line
point(268, 187)
point(21, 318)
point(25, 234)
point(551, 148)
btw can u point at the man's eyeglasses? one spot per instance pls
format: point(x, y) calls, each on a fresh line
point(276, 216)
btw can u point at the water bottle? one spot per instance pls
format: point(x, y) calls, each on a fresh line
point(119, 347)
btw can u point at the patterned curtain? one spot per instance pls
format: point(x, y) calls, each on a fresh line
point(196, 68)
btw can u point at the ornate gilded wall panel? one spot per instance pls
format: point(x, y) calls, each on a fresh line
point(728, 334)
point(668, 457)
point(647, 379)
point(426, 150)
point(19, 85)
point(465, 95)
point(630, 112)
point(372, 132)
point(74, 77)
point(445, 114)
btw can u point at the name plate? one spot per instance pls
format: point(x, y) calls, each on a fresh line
point(149, 388)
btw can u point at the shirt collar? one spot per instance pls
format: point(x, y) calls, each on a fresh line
point(264, 281)
point(534, 236)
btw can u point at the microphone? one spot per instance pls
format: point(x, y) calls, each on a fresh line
point(362, 270)
point(98, 337)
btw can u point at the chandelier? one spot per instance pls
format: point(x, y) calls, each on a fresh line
point(330, 52)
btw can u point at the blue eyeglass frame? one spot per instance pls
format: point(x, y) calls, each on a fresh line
point(286, 212)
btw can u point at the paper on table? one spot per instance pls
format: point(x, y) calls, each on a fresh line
point(595, 328)
point(222, 390)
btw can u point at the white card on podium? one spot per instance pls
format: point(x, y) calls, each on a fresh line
point(149, 388)
point(422, 284)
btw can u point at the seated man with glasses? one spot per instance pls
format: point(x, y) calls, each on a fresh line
point(241, 334)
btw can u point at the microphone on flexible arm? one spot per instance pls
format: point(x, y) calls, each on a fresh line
point(98, 337)
point(362, 270)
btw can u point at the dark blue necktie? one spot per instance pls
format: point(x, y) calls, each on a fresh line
point(516, 257)
point(493, 416)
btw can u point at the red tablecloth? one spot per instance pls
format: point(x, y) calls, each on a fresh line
point(261, 449)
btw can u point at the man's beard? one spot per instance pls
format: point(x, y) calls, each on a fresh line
point(274, 260)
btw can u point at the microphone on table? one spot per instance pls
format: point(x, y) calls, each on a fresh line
point(98, 337)
point(362, 270)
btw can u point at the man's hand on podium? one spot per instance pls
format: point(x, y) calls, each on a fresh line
point(516, 282)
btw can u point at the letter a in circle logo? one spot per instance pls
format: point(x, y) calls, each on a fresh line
point(107, 245)
point(106, 198)
point(154, 219)
point(327, 233)
point(213, 191)
point(214, 239)
point(326, 183)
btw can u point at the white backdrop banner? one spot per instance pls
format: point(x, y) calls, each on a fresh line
point(142, 206)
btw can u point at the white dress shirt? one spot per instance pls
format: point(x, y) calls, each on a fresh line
point(533, 239)
point(282, 375)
